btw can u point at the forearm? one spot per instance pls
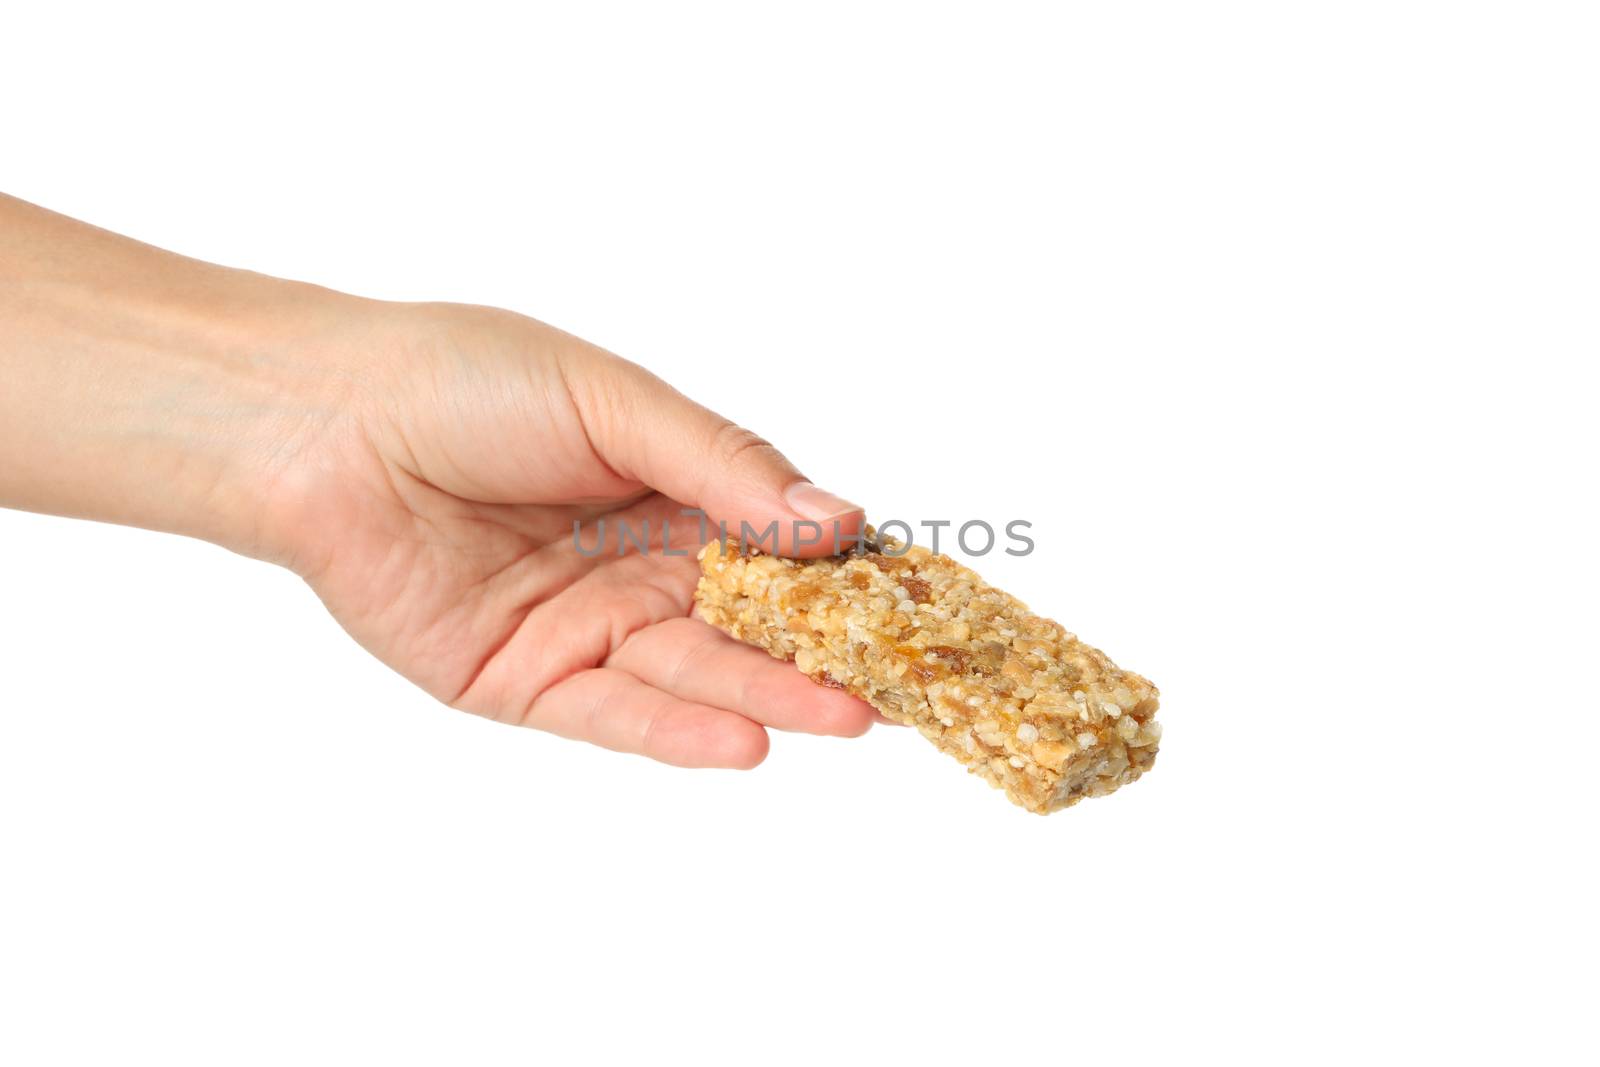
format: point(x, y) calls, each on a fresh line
point(145, 388)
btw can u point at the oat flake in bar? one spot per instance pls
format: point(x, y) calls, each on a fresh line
point(928, 643)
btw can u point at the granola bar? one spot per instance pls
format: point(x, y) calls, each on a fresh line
point(1023, 703)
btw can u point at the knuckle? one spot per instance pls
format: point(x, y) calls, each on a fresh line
point(733, 443)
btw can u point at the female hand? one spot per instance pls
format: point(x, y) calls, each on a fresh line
point(434, 515)
point(421, 466)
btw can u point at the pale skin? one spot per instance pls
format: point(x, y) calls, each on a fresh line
point(421, 466)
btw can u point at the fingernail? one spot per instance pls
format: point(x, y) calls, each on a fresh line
point(818, 505)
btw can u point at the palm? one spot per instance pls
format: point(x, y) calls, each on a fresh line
point(456, 595)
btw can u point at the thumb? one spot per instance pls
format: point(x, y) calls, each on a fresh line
point(647, 431)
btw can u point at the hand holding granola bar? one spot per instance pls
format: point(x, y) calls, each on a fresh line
point(424, 467)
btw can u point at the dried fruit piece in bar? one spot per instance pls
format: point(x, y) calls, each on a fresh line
point(1012, 695)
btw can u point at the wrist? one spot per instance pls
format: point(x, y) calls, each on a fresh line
point(269, 382)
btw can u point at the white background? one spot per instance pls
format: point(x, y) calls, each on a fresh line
point(1277, 320)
